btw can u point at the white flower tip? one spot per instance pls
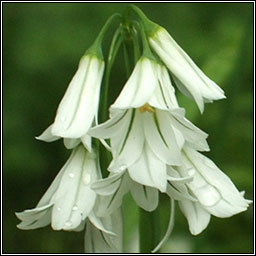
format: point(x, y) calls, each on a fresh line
point(201, 108)
point(18, 215)
point(47, 135)
point(55, 227)
point(248, 201)
point(195, 232)
point(21, 226)
point(110, 233)
point(41, 137)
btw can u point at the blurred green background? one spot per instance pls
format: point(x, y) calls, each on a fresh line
point(42, 45)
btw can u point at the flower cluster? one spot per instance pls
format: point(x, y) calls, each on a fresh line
point(154, 147)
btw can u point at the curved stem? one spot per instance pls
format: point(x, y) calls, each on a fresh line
point(96, 46)
point(169, 228)
point(136, 44)
point(114, 47)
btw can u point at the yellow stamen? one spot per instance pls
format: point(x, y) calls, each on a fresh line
point(146, 107)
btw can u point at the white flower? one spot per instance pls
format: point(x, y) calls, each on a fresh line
point(112, 189)
point(145, 143)
point(148, 83)
point(79, 106)
point(188, 77)
point(214, 192)
point(98, 241)
point(69, 199)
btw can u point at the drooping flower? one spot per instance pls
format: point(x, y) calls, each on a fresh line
point(187, 76)
point(79, 106)
point(213, 190)
point(98, 241)
point(112, 189)
point(69, 200)
point(145, 143)
point(148, 83)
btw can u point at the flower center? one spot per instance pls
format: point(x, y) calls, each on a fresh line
point(146, 107)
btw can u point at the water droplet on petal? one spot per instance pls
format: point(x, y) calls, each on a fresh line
point(75, 208)
point(68, 223)
point(71, 175)
point(87, 179)
point(122, 167)
point(191, 172)
point(63, 118)
point(207, 195)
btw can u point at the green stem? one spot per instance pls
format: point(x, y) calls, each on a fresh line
point(147, 230)
point(126, 61)
point(149, 25)
point(95, 49)
point(114, 47)
point(136, 44)
point(146, 48)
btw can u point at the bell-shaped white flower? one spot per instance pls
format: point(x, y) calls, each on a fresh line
point(144, 143)
point(188, 77)
point(112, 189)
point(148, 83)
point(69, 199)
point(213, 191)
point(79, 106)
point(98, 241)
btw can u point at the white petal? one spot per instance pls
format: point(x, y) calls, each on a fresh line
point(35, 221)
point(97, 222)
point(184, 69)
point(106, 205)
point(80, 227)
point(192, 134)
point(177, 189)
point(174, 190)
point(29, 214)
point(71, 143)
point(109, 185)
point(181, 75)
point(85, 197)
point(179, 137)
point(214, 189)
point(139, 87)
point(87, 142)
point(49, 194)
point(109, 128)
point(79, 105)
point(132, 146)
point(169, 135)
point(198, 218)
point(47, 135)
point(66, 195)
point(164, 94)
point(97, 241)
point(168, 89)
point(157, 142)
point(144, 196)
point(119, 136)
point(149, 170)
point(35, 215)
point(224, 209)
